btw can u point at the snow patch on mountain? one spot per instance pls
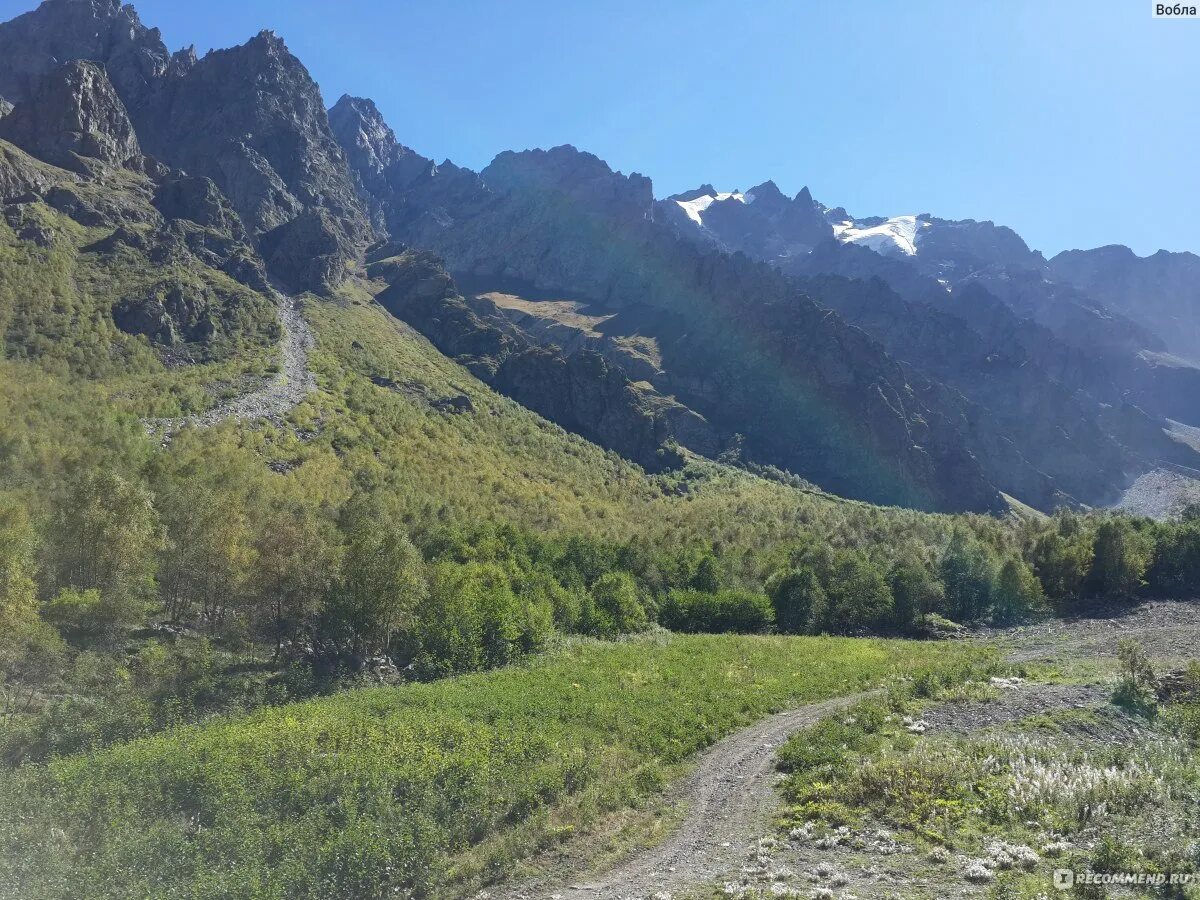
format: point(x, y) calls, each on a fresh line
point(897, 235)
point(695, 208)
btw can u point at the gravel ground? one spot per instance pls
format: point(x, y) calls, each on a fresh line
point(274, 399)
point(1160, 494)
point(1168, 629)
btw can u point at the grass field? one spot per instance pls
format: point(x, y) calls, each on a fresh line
point(421, 789)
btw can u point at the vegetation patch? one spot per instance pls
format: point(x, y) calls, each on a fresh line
point(376, 791)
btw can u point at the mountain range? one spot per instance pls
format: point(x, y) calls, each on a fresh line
point(907, 360)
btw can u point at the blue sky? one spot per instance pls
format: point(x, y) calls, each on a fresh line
point(1077, 123)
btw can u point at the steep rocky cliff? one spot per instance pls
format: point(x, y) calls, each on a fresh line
point(250, 118)
point(740, 344)
point(1161, 291)
point(72, 116)
point(580, 390)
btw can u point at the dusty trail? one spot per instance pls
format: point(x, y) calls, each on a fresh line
point(729, 797)
point(275, 398)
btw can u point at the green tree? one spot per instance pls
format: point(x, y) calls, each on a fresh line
point(209, 556)
point(1175, 571)
point(18, 551)
point(616, 606)
point(967, 572)
point(298, 556)
point(382, 584)
point(858, 596)
point(707, 577)
point(1122, 555)
point(472, 619)
point(795, 594)
point(1017, 593)
point(1062, 558)
point(915, 591)
point(103, 535)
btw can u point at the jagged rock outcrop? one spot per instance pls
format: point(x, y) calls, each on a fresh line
point(762, 222)
point(954, 248)
point(381, 165)
point(167, 314)
point(581, 391)
point(408, 193)
point(58, 31)
point(198, 200)
point(250, 118)
point(310, 250)
point(22, 176)
point(5, 107)
point(1161, 291)
point(73, 114)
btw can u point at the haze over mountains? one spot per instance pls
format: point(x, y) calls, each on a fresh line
point(908, 360)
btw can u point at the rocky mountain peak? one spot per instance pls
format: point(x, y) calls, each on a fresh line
point(252, 119)
point(705, 190)
point(370, 145)
point(74, 112)
point(104, 31)
point(583, 177)
point(768, 191)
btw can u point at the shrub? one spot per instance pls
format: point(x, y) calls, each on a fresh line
point(1136, 690)
point(616, 607)
point(726, 611)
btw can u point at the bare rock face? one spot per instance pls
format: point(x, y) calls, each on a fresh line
point(581, 391)
point(741, 345)
point(308, 253)
point(407, 193)
point(197, 199)
point(1161, 291)
point(763, 223)
point(35, 44)
point(380, 163)
point(21, 176)
point(74, 112)
point(251, 119)
point(5, 107)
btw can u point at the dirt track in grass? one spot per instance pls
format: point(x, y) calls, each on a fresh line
point(731, 794)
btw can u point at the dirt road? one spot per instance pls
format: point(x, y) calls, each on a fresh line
point(728, 797)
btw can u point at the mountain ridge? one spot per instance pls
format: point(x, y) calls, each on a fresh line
point(836, 381)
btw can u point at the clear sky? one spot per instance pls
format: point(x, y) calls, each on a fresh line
point(1077, 123)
